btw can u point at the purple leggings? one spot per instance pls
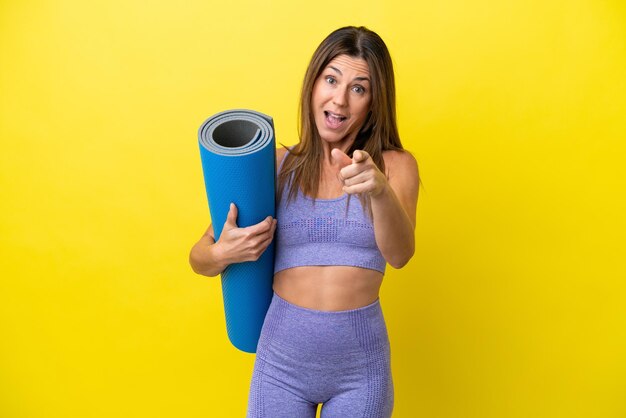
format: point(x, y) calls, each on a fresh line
point(305, 357)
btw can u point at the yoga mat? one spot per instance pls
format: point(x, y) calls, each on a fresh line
point(238, 153)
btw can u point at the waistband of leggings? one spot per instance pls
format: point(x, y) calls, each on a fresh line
point(372, 307)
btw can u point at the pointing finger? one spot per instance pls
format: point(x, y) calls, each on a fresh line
point(341, 157)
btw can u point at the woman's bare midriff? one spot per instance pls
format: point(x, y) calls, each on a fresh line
point(328, 288)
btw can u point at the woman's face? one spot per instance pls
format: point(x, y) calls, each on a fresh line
point(341, 99)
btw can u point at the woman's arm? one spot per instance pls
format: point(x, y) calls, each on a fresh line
point(235, 245)
point(203, 257)
point(394, 209)
point(393, 199)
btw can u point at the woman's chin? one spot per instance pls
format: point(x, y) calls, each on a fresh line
point(333, 137)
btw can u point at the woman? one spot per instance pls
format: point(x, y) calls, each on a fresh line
point(347, 202)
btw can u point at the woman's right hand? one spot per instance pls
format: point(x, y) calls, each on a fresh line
point(235, 245)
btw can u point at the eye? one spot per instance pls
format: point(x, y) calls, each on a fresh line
point(358, 89)
point(330, 79)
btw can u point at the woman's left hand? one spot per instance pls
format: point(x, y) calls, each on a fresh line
point(359, 174)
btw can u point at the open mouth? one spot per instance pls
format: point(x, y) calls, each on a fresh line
point(333, 120)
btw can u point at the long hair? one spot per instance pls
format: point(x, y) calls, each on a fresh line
point(302, 166)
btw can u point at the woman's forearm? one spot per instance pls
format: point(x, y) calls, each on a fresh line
point(393, 228)
point(205, 257)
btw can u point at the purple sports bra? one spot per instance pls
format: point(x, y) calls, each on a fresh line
point(324, 233)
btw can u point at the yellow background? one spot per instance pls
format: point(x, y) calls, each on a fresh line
point(514, 305)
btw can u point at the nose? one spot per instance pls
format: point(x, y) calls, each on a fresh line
point(340, 97)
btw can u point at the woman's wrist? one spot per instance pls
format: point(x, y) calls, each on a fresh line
point(218, 256)
point(207, 260)
point(382, 193)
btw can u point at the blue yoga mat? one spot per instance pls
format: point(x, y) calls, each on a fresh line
point(238, 153)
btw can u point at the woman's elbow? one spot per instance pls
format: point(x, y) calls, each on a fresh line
point(399, 260)
point(204, 272)
point(195, 266)
point(198, 267)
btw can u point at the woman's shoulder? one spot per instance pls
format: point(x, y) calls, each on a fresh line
point(402, 174)
point(400, 161)
point(280, 154)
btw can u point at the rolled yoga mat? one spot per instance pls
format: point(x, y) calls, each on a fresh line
point(238, 153)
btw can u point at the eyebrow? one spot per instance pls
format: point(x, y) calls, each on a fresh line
point(355, 78)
